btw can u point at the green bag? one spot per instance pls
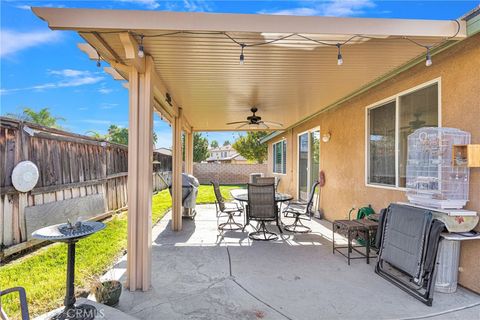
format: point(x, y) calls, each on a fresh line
point(362, 214)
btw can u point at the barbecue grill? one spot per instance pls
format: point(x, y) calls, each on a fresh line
point(70, 234)
point(190, 186)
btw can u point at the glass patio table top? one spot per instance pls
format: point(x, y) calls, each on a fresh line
point(279, 197)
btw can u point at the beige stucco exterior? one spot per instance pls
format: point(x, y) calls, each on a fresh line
point(343, 157)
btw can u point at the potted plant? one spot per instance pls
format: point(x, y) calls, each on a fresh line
point(108, 292)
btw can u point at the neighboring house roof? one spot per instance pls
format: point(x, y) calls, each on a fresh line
point(271, 136)
point(235, 156)
point(165, 151)
point(222, 148)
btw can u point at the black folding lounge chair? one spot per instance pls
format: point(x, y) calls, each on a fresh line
point(301, 211)
point(229, 209)
point(408, 249)
point(261, 207)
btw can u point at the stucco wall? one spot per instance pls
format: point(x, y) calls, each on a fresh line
point(343, 157)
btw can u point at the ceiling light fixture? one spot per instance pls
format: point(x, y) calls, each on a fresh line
point(428, 58)
point(141, 53)
point(339, 56)
point(242, 57)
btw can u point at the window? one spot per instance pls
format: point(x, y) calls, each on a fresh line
point(388, 126)
point(280, 157)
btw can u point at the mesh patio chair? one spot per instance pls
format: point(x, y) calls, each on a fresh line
point(229, 209)
point(269, 180)
point(23, 302)
point(301, 211)
point(265, 180)
point(261, 207)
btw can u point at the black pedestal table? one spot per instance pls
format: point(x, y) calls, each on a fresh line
point(70, 234)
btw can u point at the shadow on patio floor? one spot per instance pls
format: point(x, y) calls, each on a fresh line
point(199, 274)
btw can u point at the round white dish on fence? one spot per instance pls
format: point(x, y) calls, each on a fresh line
point(25, 176)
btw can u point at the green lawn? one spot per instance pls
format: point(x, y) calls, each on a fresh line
point(42, 273)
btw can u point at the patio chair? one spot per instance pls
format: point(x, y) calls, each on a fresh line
point(229, 209)
point(261, 207)
point(265, 180)
point(23, 302)
point(301, 211)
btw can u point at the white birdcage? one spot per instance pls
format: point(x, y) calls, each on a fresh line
point(435, 177)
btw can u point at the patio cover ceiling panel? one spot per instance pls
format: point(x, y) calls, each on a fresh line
point(287, 81)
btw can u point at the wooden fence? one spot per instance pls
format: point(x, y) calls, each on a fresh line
point(79, 177)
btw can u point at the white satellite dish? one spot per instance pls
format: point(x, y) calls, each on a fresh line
point(25, 176)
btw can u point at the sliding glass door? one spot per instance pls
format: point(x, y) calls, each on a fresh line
point(308, 161)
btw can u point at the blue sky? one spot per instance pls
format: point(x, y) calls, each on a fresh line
point(44, 68)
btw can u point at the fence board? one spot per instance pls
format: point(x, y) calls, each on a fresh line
point(8, 220)
point(2, 222)
point(22, 204)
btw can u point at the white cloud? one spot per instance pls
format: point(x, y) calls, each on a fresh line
point(105, 90)
point(69, 72)
point(66, 78)
point(196, 6)
point(106, 106)
point(303, 11)
point(23, 7)
point(13, 42)
point(48, 5)
point(333, 8)
point(149, 4)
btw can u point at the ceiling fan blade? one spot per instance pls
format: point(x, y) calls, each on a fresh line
point(243, 125)
point(237, 122)
point(278, 124)
point(264, 124)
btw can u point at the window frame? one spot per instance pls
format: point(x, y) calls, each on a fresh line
point(284, 159)
point(396, 98)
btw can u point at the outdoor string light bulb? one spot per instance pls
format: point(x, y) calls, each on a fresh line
point(339, 56)
point(98, 62)
point(242, 57)
point(141, 53)
point(428, 58)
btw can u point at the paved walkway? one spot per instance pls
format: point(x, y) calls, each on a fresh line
point(199, 274)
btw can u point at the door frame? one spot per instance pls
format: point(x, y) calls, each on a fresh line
point(309, 183)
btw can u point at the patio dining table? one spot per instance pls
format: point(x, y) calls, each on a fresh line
point(279, 199)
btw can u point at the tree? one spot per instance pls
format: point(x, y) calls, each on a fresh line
point(43, 117)
point(214, 144)
point(117, 134)
point(120, 135)
point(96, 135)
point(226, 143)
point(200, 147)
point(250, 147)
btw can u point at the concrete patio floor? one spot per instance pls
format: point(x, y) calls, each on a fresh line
point(199, 274)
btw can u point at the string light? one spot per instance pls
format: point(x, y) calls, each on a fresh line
point(242, 57)
point(428, 58)
point(339, 55)
point(141, 53)
point(98, 62)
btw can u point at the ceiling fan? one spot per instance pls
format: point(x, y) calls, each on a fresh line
point(255, 120)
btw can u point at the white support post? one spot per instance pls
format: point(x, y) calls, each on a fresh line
point(140, 154)
point(177, 172)
point(189, 152)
